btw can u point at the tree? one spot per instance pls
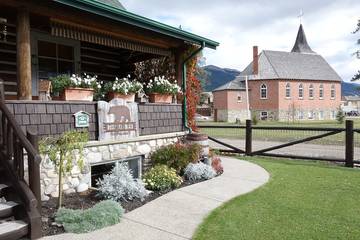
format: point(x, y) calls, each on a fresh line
point(61, 151)
point(357, 53)
point(340, 116)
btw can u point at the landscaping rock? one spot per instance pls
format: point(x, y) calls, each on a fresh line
point(82, 187)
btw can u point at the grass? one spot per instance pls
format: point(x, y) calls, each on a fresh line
point(281, 135)
point(302, 200)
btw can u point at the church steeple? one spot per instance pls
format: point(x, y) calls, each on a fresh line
point(301, 45)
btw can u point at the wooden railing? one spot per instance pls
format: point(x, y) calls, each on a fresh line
point(14, 146)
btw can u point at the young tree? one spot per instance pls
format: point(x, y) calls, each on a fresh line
point(61, 152)
point(340, 116)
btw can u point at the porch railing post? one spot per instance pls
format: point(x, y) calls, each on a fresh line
point(34, 169)
point(349, 144)
point(248, 138)
point(2, 90)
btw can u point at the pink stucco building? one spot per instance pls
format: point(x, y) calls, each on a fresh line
point(297, 85)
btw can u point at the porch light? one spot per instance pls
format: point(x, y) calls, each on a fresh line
point(4, 31)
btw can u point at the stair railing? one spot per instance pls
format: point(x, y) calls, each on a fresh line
point(14, 146)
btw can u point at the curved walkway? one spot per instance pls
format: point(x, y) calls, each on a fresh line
point(176, 215)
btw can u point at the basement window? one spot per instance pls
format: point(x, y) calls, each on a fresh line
point(102, 168)
point(263, 115)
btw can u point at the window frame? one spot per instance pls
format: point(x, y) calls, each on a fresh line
point(332, 91)
point(301, 87)
point(239, 96)
point(264, 117)
point(311, 91)
point(264, 87)
point(288, 91)
point(321, 91)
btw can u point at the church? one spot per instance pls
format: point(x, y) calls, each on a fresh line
point(295, 85)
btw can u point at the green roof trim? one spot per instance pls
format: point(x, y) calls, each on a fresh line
point(102, 9)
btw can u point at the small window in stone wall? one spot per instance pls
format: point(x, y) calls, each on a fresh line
point(239, 98)
point(301, 91)
point(311, 91)
point(301, 115)
point(332, 91)
point(321, 91)
point(288, 91)
point(99, 169)
point(263, 91)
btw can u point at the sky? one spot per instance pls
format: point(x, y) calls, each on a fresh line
point(270, 24)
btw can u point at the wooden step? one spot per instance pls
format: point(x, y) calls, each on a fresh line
point(6, 209)
point(13, 230)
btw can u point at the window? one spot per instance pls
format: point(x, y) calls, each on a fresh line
point(311, 91)
point(301, 115)
point(263, 115)
point(333, 114)
point(332, 91)
point(263, 91)
point(311, 115)
point(288, 91)
point(321, 91)
point(301, 91)
point(321, 115)
point(239, 99)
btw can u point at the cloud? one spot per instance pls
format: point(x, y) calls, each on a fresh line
point(272, 25)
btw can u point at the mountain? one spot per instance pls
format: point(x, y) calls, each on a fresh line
point(216, 76)
point(350, 89)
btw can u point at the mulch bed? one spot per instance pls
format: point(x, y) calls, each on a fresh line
point(87, 200)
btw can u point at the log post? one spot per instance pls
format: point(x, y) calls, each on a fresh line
point(178, 66)
point(248, 138)
point(349, 143)
point(23, 54)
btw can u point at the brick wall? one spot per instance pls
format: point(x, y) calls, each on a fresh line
point(160, 118)
point(52, 117)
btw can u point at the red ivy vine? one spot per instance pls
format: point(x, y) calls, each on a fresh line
point(193, 90)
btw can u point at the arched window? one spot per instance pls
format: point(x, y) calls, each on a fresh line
point(301, 91)
point(321, 91)
point(311, 91)
point(263, 91)
point(332, 91)
point(288, 90)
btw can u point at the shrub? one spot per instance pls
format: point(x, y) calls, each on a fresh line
point(216, 165)
point(161, 177)
point(254, 119)
point(121, 185)
point(340, 116)
point(199, 171)
point(177, 156)
point(103, 214)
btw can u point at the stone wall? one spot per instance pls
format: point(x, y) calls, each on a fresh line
point(102, 151)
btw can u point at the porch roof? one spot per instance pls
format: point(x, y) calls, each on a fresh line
point(102, 9)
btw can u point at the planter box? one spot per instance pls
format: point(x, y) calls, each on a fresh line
point(160, 98)
point(127, 98)
point(78, 94)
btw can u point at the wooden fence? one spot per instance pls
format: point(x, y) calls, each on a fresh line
point(247, 135)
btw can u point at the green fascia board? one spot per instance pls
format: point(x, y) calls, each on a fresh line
point(116, 14)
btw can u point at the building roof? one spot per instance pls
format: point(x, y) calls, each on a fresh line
point(106, 8)
point(113, 3)
point(301, 45)
point(301, 64)
point(236, 84)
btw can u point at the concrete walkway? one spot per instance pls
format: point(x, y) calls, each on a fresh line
point(177, 214)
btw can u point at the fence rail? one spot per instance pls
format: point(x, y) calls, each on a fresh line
point(285, 136)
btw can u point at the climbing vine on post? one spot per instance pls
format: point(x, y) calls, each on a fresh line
point(61, 151)
point(193, 89)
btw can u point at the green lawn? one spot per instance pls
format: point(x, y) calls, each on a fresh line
point(302, 200)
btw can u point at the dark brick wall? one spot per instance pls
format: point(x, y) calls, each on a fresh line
point(52, 117)
point(160, 118)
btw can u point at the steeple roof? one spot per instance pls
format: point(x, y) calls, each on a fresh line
point(301, 45)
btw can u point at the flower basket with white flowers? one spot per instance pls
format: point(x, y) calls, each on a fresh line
point(76, 87)
point(123, 88)
point(161, 90)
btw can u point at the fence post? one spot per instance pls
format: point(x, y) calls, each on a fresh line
point(248, 139)
point(34, 169)
point(349, 144)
